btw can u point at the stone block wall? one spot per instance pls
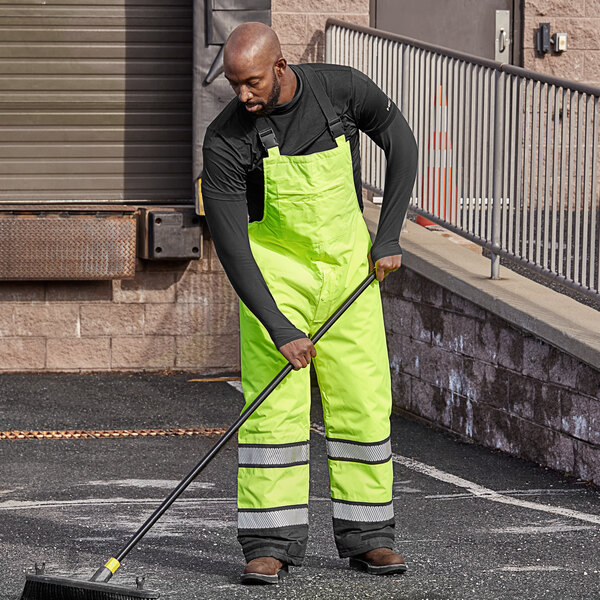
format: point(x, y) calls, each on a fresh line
point(460, 367)
point(580, 20)
point(175, 315)
point(301, 25)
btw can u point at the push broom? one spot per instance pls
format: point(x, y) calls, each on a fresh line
point(45, 587)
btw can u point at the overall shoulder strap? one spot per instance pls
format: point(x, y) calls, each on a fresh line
point(333, 120)
point(266, 133)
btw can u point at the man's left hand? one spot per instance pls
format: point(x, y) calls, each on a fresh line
point(386, 265)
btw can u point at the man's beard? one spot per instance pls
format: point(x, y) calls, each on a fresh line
point(269, 106)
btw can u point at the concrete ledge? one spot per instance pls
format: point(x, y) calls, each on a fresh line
point(550, 316)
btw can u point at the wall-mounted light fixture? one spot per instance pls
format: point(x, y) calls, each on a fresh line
point(545, 42)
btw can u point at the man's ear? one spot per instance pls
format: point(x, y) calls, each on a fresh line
point(280, 67)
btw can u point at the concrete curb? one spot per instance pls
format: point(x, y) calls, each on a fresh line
point(550, 316)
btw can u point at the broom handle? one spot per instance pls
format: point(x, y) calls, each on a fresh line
point(102, 574)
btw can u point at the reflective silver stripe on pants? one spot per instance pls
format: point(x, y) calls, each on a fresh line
point(273, 455)
point(272, 518)
point(365, 513)
point(366, 453)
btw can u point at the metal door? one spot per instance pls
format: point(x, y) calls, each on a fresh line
point(96, 101)
point(466, 25)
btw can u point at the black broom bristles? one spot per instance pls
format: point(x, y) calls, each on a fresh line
point(43, 587)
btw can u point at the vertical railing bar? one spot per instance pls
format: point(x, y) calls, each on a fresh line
point(505, 162)
point(519, 152)
point(498, 159)
point(571, 191)
point(527, 163)
point(543, 158)
point(534, 184)
point(578, 200)
point(423, 74)
point(453, 79)
point(556, 181)
point(457, 132)
point(564, 181)
point(426, 129)
point(586, 186)
point(443, 173)
point(472, 124)
point(594, 279)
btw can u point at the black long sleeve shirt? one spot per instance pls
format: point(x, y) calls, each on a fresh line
point(233, 186)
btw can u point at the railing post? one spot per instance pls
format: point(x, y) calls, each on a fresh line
point(328, 44)
point(498, 162)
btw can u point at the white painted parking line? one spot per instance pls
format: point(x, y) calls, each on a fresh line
point(479, 491)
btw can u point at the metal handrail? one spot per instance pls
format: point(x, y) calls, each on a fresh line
point(508, 157)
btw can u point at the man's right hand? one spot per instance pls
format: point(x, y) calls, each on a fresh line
point(298, 352)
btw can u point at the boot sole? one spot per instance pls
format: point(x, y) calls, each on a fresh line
point(263, 579)
point(363, 565)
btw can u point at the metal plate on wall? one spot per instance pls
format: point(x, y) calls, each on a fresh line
point(52, 244)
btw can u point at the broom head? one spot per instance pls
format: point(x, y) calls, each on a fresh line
point(44, 587)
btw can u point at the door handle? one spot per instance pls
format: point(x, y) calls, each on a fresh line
point(502, 40)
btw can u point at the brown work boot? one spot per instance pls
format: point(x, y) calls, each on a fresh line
point(380, 561)
point(264, 570)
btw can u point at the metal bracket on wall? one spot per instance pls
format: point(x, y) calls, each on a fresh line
point(169, 232)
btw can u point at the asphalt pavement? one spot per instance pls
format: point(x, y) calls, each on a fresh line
point(472, 523)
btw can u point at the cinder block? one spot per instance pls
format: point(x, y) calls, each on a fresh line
point(487, 334)
point(587, 462)
point(19, 354)
point(208, 352)
point(290, 27)
point(461, 336)
point(496, 428)
point(427, 401)
point(462, 415)
point(421, 324)
point(177, 319)
point(510, 349)
point(553, 8)
point(486, 383)
point(17, 291)
point(151, 351)
point(320, 6)
point(580, 416)
point(45, 320)
point(431, 293)
point(535, 358)
point(147, 287)
point(441, 368)
point(588, 381)
point(225, 319)
point(562, 368)
point(397, 314)
point(401, 390)
point(460, 305)
point(79, 291)
point(78, 353)
point(412, 356)
point(205, 288)
point(112, 319)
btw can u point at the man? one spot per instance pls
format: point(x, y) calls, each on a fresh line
point(285, 152)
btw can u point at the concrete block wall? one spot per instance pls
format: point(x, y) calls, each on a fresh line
point(580, 19)
point(301, 25)
point(174, 315)
point(460, 367)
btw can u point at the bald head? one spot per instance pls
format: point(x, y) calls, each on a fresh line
point(255, 68)
point(252, 42)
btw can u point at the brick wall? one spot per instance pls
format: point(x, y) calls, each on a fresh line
point(301, 25)
point(464, 369)
point(173, 315)
point(580, 19)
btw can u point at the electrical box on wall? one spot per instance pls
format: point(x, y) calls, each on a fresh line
point(173, 232)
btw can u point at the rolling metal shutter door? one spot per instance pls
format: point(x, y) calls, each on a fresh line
point(96, 101)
